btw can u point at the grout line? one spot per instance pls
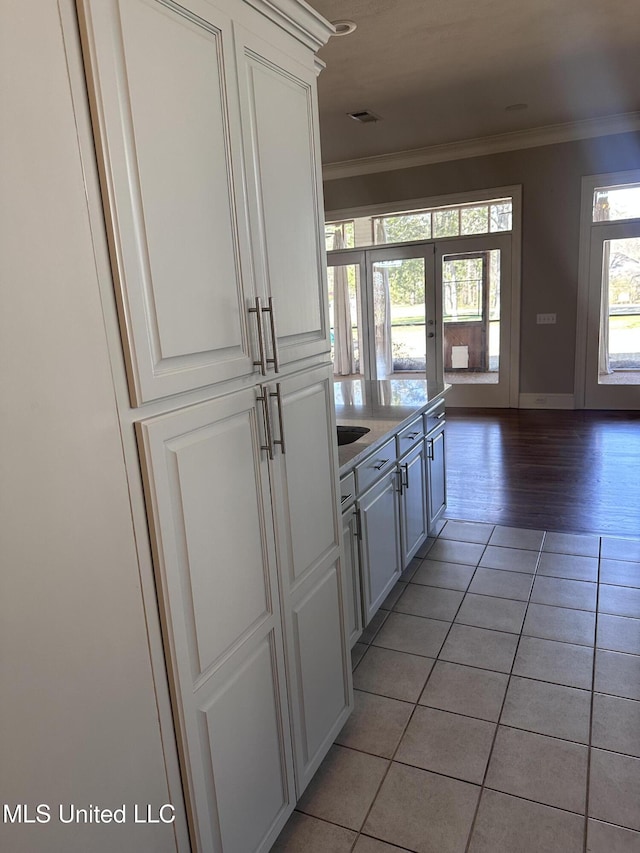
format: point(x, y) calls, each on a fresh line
point(593, 687)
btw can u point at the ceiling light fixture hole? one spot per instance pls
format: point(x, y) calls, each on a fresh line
point(343, 28)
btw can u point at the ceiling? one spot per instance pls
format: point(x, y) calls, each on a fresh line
point(442, 71)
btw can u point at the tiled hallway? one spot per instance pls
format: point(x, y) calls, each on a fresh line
point(497, 705)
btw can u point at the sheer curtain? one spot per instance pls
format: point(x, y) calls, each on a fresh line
point(604, 366)
point(382, 313)
point(343, 363)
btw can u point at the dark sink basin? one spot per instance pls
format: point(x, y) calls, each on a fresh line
point(349, 434)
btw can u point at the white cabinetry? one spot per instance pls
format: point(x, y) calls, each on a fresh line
point(414, 511)
point(205, 120)
point(436, 476)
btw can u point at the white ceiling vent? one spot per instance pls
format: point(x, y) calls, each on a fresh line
point(364, 116)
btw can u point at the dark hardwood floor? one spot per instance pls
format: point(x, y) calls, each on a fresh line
point(573, 471)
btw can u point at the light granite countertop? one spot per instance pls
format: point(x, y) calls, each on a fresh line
point(383, 406)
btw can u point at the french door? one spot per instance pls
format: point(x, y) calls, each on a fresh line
point(612, 367)
point(439, 309)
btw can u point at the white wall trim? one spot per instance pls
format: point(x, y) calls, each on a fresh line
point(464, 149)
point(547, 401)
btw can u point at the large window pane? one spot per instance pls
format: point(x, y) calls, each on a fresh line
point(399, 316)
point(471, 317)
point(402, 229)
point(446, 223)
point(501, 216)
point(339, 235)
point(619, 361)
point(474, 220)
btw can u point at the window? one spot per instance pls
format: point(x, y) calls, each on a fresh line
point(407, 226)
point(614, 203)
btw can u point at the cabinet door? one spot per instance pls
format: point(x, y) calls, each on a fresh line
point(381, 561)
point(168, 135)
point(413, 502)
point(436, 468)
point(279, 118)
point(212, 530)
point(304, 483)
point(353, 594)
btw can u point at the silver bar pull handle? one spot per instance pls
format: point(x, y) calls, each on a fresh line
point(411, 436)
point(264, 399)
point(430, 448)
point(381, 464)
point(406, 475)
point(278, 397)
point(275, 361)
point(358, 525)
point(440, 416)
point(262, 362)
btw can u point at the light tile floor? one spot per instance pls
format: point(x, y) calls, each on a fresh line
point(497, 705)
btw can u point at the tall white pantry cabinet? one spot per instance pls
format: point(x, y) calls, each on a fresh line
point(205, 123)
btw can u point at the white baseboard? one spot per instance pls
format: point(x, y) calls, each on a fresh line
point(547, 401)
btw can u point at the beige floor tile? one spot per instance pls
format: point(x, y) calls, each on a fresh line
point(485, 611)
point(509, 559)
point(395, 674)
point(516, 585)
point(344, 787)
point(480, 647)
point(560, 663)
point(620, 572)
point(619, 600)
point(445, 575)
point(447, 743)
point(617, 673)
point(308, 834)
point(467, 531)
point(393, 596)
point(510, 825)
point(560, 592)
point(560, 623)
point(616, 725)
point(517, 537)
point(374, 626)
point(376, 724)
point(614, 788)
point(618, 633)
point(422, 811)
point(429, 601)
point(413, 634)
point(544, 769)
point(465, 690)
point(620, 549)
point(568, 566)
point(548, 709)
point(366, 844)
point(447, 551)
point(572, 543)
point(606, 838)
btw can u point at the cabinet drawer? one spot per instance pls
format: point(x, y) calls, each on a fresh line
point(376, 465)
point(410, 436)
point(347, 490)
point(434, 417)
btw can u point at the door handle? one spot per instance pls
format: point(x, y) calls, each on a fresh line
point(275, 361)
point(278, 397)
point(262, 361)
point(264, 399)
point(406, 474)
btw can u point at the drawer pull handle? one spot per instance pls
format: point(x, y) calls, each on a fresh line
point(440, 416)
point(344, 498)
point(412, 436)
point(380, 464)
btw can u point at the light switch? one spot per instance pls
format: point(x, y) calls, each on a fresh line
point(543, 319)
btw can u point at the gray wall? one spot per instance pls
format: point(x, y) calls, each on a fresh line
point(551, 181)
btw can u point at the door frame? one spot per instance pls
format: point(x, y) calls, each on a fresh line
point(592, 236)
point(513, 191)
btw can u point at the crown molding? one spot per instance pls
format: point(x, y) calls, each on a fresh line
point(297, 18)
point(533, 138)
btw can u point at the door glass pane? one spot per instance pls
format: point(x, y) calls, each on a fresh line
point(471, 317)
point(345, 319)
point(399, 316)
point(619, 352)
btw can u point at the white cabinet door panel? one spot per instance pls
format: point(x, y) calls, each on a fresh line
point(351, 566)
point(208, 493)
point(321, 694)
point(436, 477)
point(381, 560)
point(169, 134)
point(278, 100)
point(243, 726)
point(413, 502)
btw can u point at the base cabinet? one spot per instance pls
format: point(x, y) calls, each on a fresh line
point(414, 510)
